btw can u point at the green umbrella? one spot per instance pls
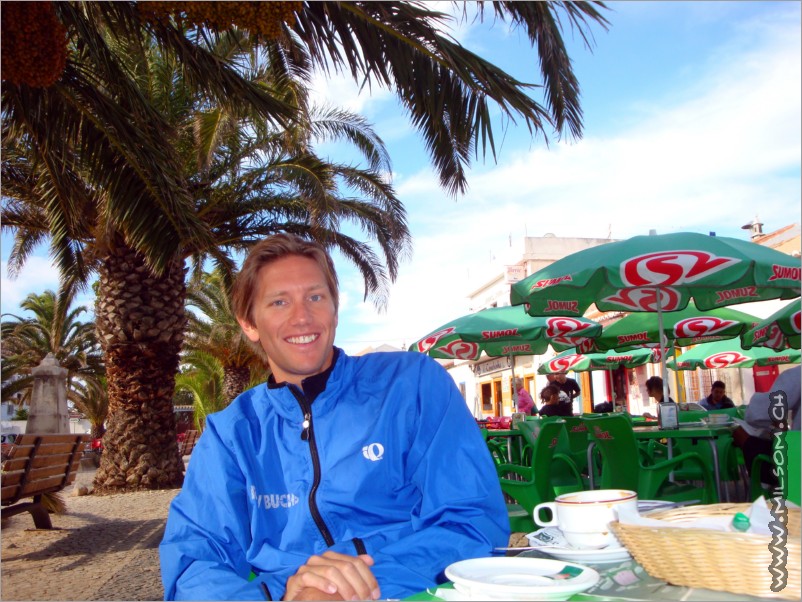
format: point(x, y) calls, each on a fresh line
point(572, 359)
point(626, 276)
point(779, 331)
point(688, 326)
point(504, 331)
point(660, 273)
point(730, 354)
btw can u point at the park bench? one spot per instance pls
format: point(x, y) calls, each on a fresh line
point(188, 444)
point(38, 464)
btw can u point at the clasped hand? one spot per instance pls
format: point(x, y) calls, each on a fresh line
point(334, 576)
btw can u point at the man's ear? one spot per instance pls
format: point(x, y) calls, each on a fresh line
point(249, 329)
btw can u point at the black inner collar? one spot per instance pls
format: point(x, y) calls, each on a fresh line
point(313, 385)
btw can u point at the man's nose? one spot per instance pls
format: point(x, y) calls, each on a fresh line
point(300, 313)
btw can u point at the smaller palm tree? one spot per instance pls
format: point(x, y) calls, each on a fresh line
point(213, 332)
point(203, 378)
point(54, 328)
point(92, 400)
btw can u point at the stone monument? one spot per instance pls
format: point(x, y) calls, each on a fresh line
point(48, 411)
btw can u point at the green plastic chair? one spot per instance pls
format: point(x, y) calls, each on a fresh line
point(692, 415)
point(577, 441)
point(550, 473)
point(626, 466)
point(791, 490)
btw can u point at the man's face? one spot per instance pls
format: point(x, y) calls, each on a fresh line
point(294, 318)
point(717, 393)
point(560, 378)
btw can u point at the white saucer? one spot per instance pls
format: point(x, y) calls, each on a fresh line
point(592, 556)
point(520, 578)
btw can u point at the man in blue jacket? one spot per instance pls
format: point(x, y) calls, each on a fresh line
point(340, 477)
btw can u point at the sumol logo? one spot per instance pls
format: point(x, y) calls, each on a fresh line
point(460, 350)
point(668, 268)
point(796, 321)
point(431, 340)
point(701, 326)
point(549, 282)
point(565, 363)
point(497, 334)
point(725, 359)
point(645, 299)
point(564, 325)
point(742, 292)
point(782, 272)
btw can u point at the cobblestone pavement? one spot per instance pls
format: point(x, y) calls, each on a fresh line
point(104, 548)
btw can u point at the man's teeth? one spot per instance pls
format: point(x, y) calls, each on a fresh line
point(301, 340)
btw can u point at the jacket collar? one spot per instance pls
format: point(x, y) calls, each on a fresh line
point(314, 388)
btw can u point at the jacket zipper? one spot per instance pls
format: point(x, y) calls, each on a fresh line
point(308, 434)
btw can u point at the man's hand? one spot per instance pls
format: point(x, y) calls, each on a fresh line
point(334, 576)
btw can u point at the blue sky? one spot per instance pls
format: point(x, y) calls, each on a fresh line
point(692, 122)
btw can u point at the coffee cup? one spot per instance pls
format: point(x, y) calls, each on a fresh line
point(584, 516)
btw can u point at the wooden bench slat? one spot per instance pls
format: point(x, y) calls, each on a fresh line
point(40, 486)
point(37, 462)
point(12, 478)
point(45, 449)
point(30, 438)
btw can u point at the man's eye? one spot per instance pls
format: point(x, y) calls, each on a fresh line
point(278, 302)
point(316, 297)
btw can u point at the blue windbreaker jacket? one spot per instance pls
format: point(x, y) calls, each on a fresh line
point(390, 464)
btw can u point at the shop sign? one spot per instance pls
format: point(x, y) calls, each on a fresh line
point(495, 365)
point(514, 273)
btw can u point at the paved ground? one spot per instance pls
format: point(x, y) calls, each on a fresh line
point(104, 548)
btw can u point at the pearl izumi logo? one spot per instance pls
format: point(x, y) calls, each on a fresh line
point(373, 452)
point(270, 501)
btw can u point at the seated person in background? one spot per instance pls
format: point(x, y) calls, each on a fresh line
point(654, 387)
point(525, 402)
point(717, 400)
point(340, 478)
point(753, 434)
point(552, 406)
point(603, 407)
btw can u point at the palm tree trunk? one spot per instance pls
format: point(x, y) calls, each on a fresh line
point(140, 322)
point(235, 380)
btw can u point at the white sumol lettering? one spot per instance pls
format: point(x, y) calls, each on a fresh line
point(270, 501)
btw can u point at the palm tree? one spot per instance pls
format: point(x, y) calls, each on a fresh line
point(251, 180)
point(54, 328)
point(93, 403)
point(215, 333)
point(94, 165)
point(203, 379)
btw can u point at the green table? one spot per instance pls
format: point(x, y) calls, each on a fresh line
point(509, 435)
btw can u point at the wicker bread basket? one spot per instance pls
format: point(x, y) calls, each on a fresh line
point(726, 561)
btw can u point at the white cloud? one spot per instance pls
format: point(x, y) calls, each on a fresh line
point(37, 276)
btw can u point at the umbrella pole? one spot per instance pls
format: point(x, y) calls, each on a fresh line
point(514, 390)
point(663, 348)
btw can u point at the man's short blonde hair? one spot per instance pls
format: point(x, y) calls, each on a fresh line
point(269, 250)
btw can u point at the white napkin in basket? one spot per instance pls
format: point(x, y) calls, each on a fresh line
point(758, 513)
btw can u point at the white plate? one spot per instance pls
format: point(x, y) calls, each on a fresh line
point(592, 556)
point(517, 578)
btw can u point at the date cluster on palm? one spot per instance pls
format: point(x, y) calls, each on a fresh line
point(262, 18)
point(34, 48)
